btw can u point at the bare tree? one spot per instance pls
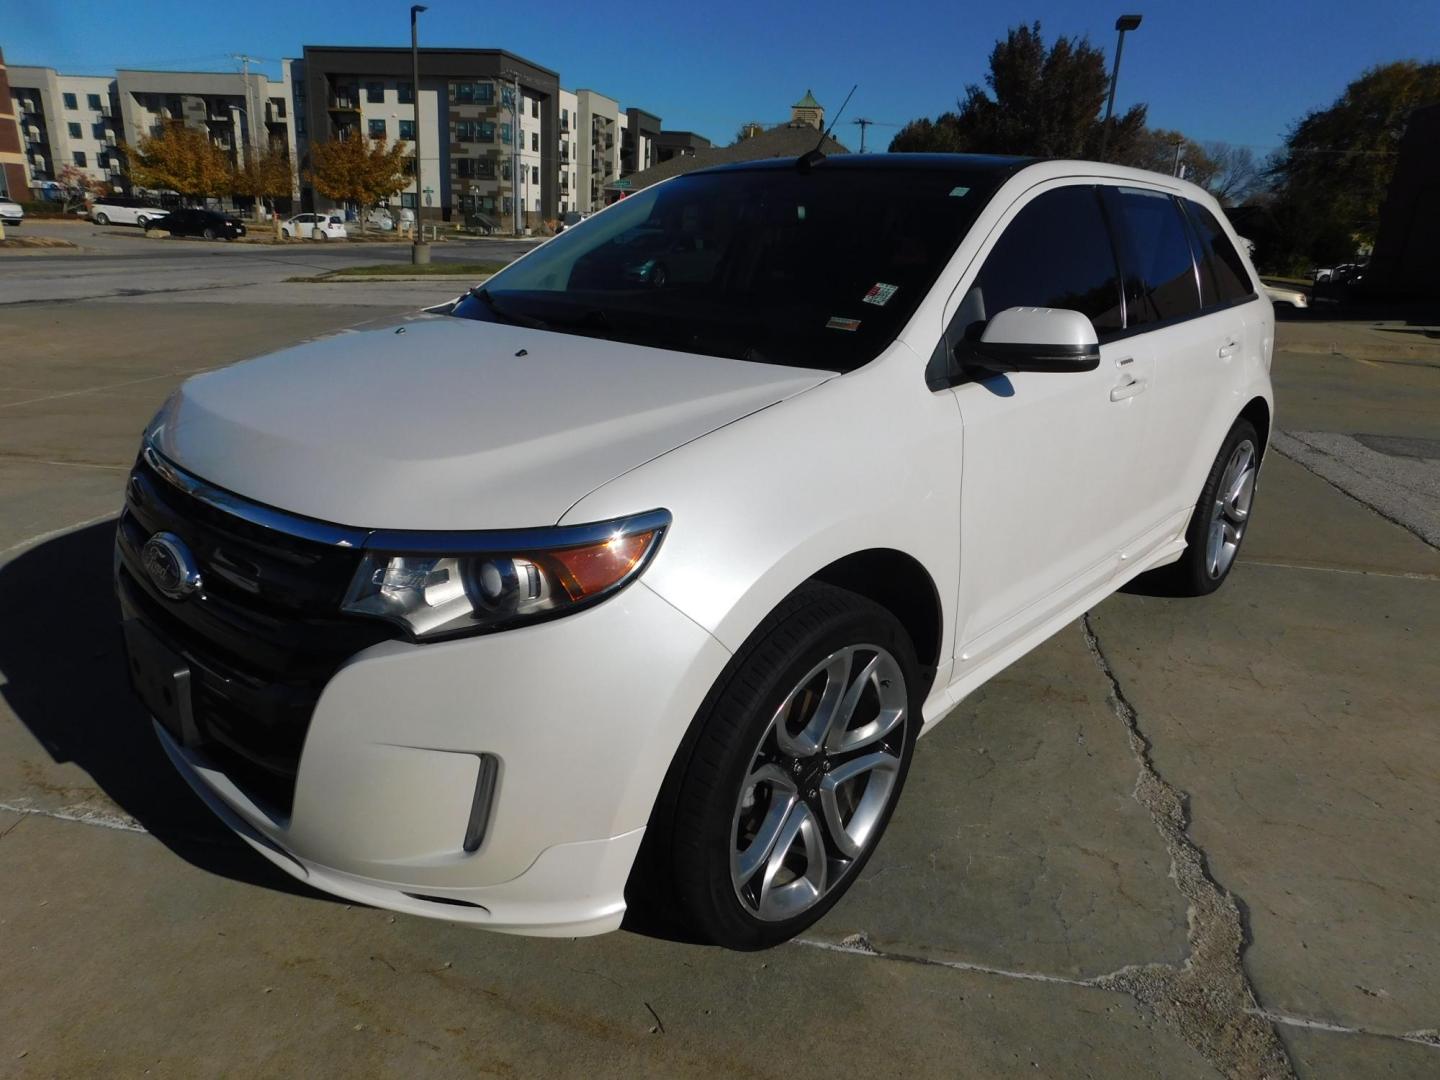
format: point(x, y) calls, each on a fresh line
point(1237, 174)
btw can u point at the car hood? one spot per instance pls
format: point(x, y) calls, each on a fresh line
point(447, 423)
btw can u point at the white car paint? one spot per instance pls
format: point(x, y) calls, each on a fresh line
point(319, 226)
point(11, 213)
point(124, 211)
point(1023, 509)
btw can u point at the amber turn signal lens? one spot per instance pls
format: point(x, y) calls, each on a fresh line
point(585, 571)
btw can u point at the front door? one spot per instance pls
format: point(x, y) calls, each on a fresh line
point(1050, 461)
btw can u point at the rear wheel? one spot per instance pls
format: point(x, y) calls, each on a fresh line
point(798, 760)
point(317, 234)
point(1221, 518)
point(102, 219)
point(209, 233)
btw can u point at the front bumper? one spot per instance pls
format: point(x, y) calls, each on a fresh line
point(583, 715)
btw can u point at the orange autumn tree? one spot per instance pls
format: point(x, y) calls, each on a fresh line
point(359, 170)
point(180, 158)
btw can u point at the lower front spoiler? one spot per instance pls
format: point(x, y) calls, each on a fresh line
point(570, 890)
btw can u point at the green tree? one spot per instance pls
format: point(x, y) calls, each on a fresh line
point(1334, 170)
point(359, 170)
point(1036, 100)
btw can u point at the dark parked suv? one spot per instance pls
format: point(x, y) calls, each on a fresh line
point(206, 223)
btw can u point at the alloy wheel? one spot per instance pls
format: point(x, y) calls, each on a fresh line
point(819, 783)
point(1231, 514)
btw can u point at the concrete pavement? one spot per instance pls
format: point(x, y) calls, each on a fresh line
point(1182, 838)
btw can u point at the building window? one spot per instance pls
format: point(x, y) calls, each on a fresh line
point(535, 108)
point(564, 118)
point(407, 130)
point(279, 105)
point(98, 130)
point(300, 124)
point(506, 204)
point(299, 89)
point(505, 170)
point(484, 93)
point(535, 140)
point(375, 93)
point(506, 134)
point(405, 93)
point(535, 174)
point(74, 130)
point(80, 158)
point(93, 100)
point(70, 102)
point(407, 200)
point(377, 129)
point(475, 168)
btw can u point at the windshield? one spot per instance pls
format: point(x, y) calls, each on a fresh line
point(817, 269)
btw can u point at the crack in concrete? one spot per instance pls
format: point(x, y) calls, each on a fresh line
point(1429, 1037)
point(81, 814)
point(1208, 1000)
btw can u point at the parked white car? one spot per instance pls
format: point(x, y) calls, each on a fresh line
point(379, 218)
point(605, 586)
point(330, 226)
point(12, 214)
point(1284, 294)
point(125, 210)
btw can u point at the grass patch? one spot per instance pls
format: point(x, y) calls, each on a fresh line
point(409, 270)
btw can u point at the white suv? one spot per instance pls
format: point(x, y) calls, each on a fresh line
point(637, 575)
point(124, 210)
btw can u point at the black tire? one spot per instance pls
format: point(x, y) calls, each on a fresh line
point(101, 219)
point(209, 234)
point(1193, 574)
point(693, 831)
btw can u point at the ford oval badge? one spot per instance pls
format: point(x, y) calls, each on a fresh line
point(170, 565)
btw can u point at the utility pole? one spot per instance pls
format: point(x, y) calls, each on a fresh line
point(419, 250)
point(1179, 168)
point(864, 123)
point(514, 77)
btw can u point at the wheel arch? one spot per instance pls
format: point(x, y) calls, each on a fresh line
point(899, 583)
point(1257, 411)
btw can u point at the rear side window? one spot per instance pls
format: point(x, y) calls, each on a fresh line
point(1056, 254)
point(1223, 264)
point(1159, 266)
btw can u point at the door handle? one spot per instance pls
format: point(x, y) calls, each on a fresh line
point(1228, 349)
point(1127, 389)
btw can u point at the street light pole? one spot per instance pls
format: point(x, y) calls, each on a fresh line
point(1122, 24)
point(419, 250)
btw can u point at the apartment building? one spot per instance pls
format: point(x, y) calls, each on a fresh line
point(65, 120)
point(598, 148)
point(235, 110)
point(14, 179)
point(488, 124)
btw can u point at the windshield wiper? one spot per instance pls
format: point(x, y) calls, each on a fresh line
point(479, 292)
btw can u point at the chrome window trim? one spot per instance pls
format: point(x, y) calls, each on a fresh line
point(405, 541)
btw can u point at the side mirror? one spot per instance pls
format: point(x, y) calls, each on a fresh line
point(1033, 339)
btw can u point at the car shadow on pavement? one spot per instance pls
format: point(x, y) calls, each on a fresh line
point(65, 676)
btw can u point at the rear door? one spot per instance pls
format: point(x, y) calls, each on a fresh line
point(1050, 460)
point(1196, 337)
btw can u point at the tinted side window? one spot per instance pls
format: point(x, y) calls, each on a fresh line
point(1056, 253)
point(1232, 280)
point(1160, 269)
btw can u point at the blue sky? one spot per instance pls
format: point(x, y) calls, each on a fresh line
point(1237, 70)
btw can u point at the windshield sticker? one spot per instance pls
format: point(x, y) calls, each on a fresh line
point(879, 294)
point(959, 192)
point(837, 323)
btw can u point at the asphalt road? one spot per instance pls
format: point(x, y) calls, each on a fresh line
point(1183, 838)
point(120, 261)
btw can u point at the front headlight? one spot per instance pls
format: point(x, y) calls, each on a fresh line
point(439, 585)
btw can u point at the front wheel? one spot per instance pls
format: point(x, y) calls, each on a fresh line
point(1221, 518)
point(285, 234)
point(799, 757)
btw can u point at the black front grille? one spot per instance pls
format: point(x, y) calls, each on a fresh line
point(263, 635)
